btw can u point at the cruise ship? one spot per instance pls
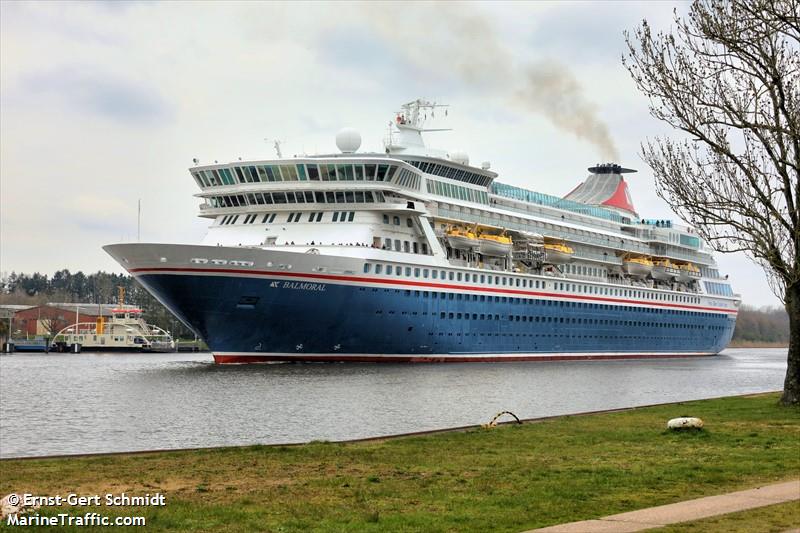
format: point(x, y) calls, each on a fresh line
point(415, 255)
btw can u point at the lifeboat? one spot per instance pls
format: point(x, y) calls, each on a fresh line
point(495, 245)
point(664, 270)
point(637, 267)
point(688, 272)
point(461, 238)
point(557, 253)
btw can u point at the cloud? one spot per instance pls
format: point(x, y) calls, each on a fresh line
point(85, 90)
point(454, 39)
point(103, 104)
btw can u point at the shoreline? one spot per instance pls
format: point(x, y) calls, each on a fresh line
point(757, 344)
point(512, 477)
point(377, 438)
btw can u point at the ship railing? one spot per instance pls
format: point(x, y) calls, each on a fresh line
point(605, 258)
point(606, 241)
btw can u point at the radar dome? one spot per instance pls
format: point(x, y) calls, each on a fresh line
point(348, 140)
point(460, 157)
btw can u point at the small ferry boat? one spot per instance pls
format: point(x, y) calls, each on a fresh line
point(126, 330)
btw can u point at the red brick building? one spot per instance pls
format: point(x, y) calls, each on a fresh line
point(47, 320)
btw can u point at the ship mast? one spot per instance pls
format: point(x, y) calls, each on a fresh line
point(405, 133)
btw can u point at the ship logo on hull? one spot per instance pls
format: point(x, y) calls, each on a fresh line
point(299, 286)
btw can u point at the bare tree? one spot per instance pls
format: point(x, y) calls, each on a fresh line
point(728, 76)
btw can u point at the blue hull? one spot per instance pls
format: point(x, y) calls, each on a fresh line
point(265, 318)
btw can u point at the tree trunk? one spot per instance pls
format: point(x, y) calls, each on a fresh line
point(791, 385)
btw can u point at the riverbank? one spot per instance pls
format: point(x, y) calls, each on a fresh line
point(757, 344)
point(510, 478)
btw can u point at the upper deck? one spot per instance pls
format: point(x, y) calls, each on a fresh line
point(306, 199)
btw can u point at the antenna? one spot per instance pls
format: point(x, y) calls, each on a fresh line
point(277, 144)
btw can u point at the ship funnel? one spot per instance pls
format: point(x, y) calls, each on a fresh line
point(605, 187)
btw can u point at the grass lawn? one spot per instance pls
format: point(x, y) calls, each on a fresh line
point(509, 478)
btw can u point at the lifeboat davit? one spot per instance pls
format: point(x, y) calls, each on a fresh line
point(495, 245)
point(557, 253)
point(637, 267)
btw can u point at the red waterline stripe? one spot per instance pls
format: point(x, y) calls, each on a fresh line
point(423, 284)
point(242, 359)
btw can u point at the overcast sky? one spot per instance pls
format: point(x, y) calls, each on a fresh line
point(105, 103)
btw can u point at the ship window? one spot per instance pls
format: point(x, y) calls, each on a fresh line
point(290, 197)
point(388, 270)
point(311, 217)
point(435, 274)
point(396, 221)
point(382, 171)
point(289, 172)
point(409, 223)
point(351, 216)
point(339, 197)
point(385, 219)
point(272, 217)
point(239, 174)
point(359, 197)
point(408, 272)
point(329, 198)
point(450, 275)
point(369, 171)
point(416, 272)
point(397, 245)
point(406, 246)
point(367, 267)
point(348, 197)
point(359, 172)
point(458, 276)
point(335, 216)
point(442, 274)
point(416, 247)
point(425, 273)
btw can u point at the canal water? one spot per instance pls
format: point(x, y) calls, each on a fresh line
point(86, 403)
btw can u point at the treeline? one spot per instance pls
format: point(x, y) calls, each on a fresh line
point(768, 325)
point(98, 288)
